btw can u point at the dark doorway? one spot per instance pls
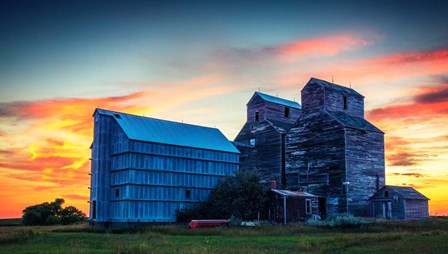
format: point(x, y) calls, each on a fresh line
point(323, 207)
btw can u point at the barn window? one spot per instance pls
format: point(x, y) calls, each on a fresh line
point(257, 116)
point(187, 194)
point(345, 102)
point(386, 194)
point(286, 112)
point(308, 206)
point(252, 141)
point(117, 193)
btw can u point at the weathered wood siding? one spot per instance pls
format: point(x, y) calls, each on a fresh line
point(364, 163)
point(331, 158)
point(265, 155)
point(315, 157)
point(256, 104)
point(334, 101)
point(400, 208)
point(315, 96)
point(270, 111)
point(135, 181)
point(416, 209)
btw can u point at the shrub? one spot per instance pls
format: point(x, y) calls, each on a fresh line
point(344, 220)
point(241, 196)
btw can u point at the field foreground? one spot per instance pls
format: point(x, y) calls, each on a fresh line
point(429, 236)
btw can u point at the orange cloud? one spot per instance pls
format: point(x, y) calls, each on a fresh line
point(45, 144)
point(324, 46)
point(426, 103)
point(416, 141)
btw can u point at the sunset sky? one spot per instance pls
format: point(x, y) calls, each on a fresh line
point(200, 63)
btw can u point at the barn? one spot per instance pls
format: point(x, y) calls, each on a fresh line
point(324, 146)
point(333, 151)
point(144, 169)
point(399, 203)
point(262, 138)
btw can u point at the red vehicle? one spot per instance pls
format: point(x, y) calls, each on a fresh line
point(207, 223)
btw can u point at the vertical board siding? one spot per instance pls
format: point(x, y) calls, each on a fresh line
point(330, 157)
point(134, 181)
point(265, 156)
point(365, 161)
point(315, 156)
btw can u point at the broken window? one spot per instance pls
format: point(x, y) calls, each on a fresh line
point(187, 194)
point(117, 193)
point(386, 194)
point(257, 116)
point(308, 206)
point(345, 102)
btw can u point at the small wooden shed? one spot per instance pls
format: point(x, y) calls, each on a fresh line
point(294, 206)
point(399, 203)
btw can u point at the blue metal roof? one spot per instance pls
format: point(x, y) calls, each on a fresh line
point(278, 100)
point(173, 133)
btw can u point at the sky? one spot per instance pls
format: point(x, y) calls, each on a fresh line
point(200, 62)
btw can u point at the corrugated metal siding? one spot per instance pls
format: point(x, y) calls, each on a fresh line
point(147, 182)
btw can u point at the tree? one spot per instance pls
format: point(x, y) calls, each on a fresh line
point(51, 213)
point(241, 196)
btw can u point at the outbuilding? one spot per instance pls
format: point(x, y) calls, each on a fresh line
point(399, 203)
point(294, 206)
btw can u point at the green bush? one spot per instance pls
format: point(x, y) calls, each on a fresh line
point(344, 220)
point(241, 196)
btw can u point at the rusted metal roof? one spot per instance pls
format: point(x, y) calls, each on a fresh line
point(167, 132)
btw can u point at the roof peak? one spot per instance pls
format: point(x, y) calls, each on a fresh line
point(153, 118)
point(334, 86)
point(148, 129)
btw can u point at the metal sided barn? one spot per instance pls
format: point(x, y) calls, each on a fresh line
point(144, 169)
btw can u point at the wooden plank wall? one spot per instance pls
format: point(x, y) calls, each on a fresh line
point(266, 156)
point(364, 163)
point(315, 155)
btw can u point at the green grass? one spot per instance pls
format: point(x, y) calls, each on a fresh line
point(429, 236)
point(10, 222)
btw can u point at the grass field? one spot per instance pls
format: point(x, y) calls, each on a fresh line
point(429, 236)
